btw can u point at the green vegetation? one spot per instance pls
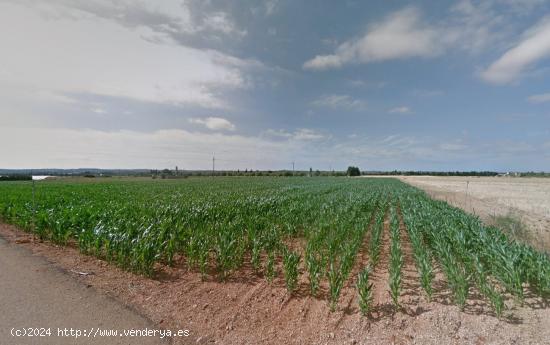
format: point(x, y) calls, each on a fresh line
point(270, 270)
point(353, 171)
point(376, 236)
point(15, 178)
point(290, 263)
point(422, 256)
point(513, 226)
point(432, 173)
point(217, 226)
point(396, 258)
point(364, 290)
point(314, 267)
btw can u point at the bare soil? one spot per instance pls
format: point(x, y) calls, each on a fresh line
point(246, 309)
point(526, 198)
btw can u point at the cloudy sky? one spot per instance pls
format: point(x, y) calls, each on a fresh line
point(432, 85)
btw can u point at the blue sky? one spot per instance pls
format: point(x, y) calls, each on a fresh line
point(431, 85)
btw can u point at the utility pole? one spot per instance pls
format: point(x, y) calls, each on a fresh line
point(292, 168)
point(213, 163)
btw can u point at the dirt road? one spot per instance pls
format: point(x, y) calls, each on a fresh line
point(35, 294)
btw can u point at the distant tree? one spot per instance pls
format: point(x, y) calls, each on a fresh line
point(353, 171)
point(16, 178)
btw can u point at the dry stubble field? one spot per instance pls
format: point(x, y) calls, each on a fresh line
point(524, 198)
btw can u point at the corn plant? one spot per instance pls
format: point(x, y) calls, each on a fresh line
point(396, 259)
point(364, 290)
point(255, 254)
point(426, 273)
point(290, 265)
point(508, 271)
point(314, 268)
point(376, 237)
point(486, 288)
point(203, 258)
point(336, 283)
point(457, 277)
point(226, 247)
point(537, 271)
point(422, 256)
point(270, 269)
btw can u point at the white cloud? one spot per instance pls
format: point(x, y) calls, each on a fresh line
point(214, 123)
point(357, 82)
point(271, 7)
point(542, 98)
point(49, 96)
point(277, 133)
point(339, 102)
point(308, 134)
point(533, 47)
point(301, 134)
point(41, 147)
point(174, 19)
point(471, 26)
point(47, 147)
point(370, 84)
point(522, 6)
point(99, 111)
point(390, 138)
point(400, 35)
point(62, 55)
point(400, 110)
point(220, 22)
point(474, 26)
point(453, 146)
point(427, 93)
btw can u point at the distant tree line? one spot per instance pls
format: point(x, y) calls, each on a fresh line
point(76, 172)
point(16, 178)
point(25, 174)
point(171, 174)
point(534, 174)
point(433, 173)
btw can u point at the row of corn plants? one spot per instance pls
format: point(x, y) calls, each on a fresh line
point(283, 227)
point(396, 258)
point(469, 253)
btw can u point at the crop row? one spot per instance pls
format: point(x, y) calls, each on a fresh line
point(315, 227)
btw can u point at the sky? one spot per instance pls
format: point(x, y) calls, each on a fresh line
point(424, 85)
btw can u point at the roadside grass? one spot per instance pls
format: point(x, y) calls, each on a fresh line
point(513, 225)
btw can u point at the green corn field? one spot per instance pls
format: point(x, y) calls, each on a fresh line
point(309, 232)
